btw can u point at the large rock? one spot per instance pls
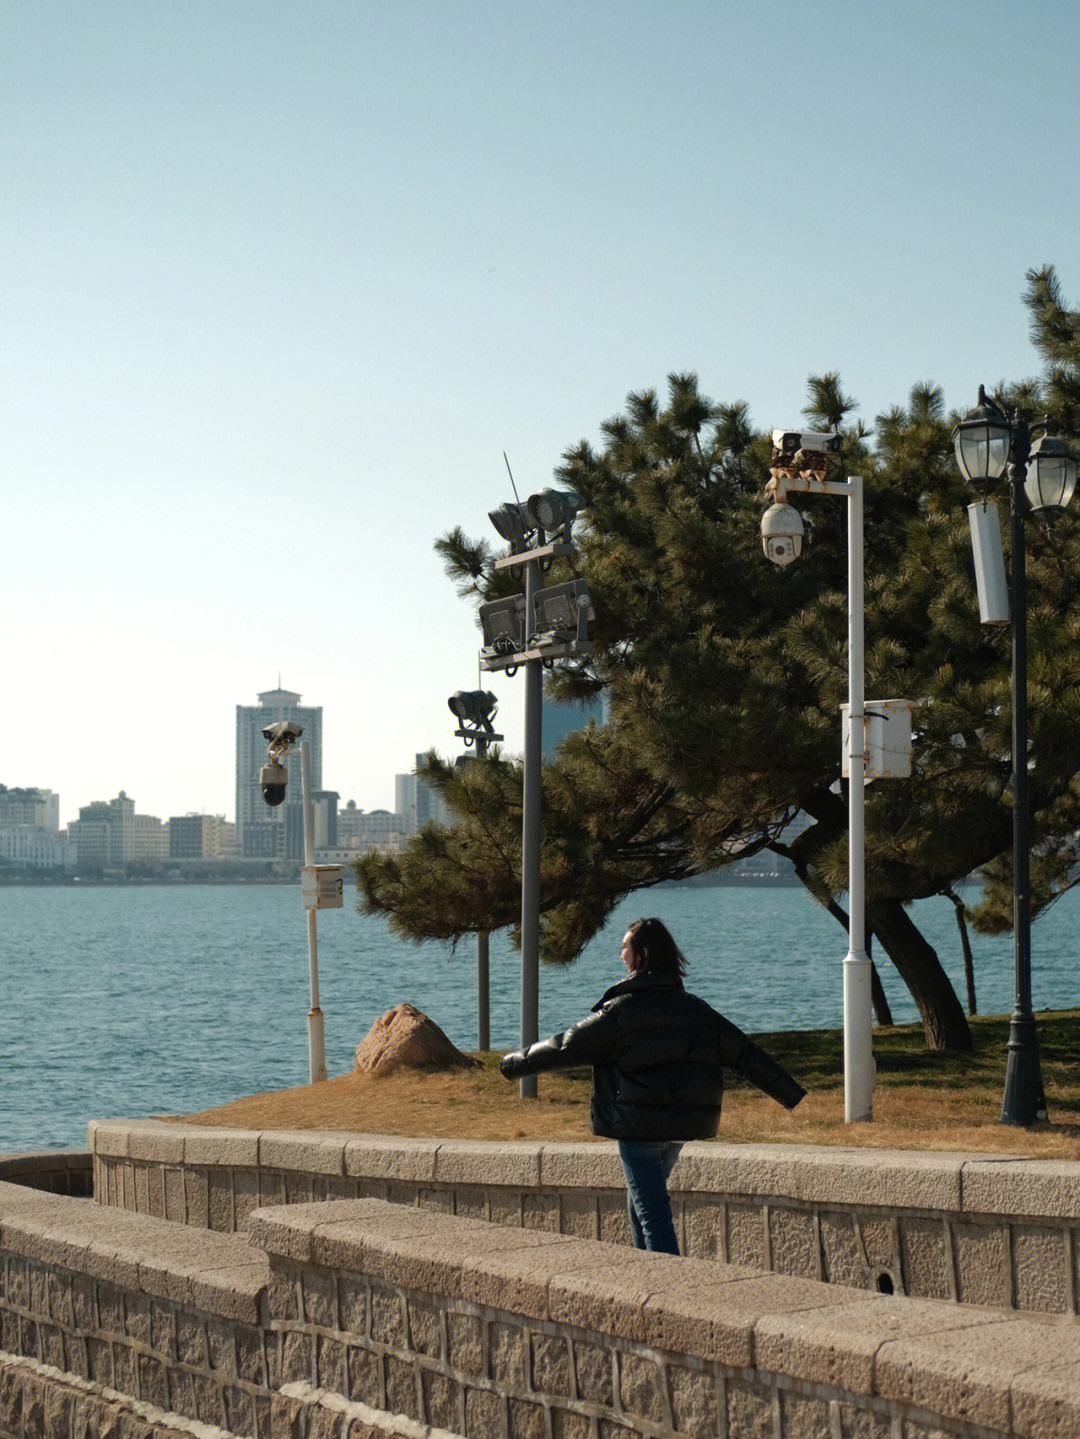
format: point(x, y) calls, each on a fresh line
point(404, 1036)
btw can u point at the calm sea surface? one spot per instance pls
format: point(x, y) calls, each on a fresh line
point(129, 1001)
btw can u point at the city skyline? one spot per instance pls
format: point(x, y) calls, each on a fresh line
point(283, 283)
point(249, 754)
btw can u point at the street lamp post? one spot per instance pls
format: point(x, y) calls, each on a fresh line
point(475, 710)
point(799, 466)
point(987, 442)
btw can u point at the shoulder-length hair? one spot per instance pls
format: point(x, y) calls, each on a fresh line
point(652, 948)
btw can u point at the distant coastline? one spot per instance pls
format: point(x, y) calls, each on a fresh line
point(210, 872)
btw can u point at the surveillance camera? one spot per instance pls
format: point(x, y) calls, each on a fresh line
point(781, 534)
point(273, 778)
point(284, 732)
point(788, 442)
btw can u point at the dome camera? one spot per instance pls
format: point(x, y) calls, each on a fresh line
point(781, 534)
point(273, 778)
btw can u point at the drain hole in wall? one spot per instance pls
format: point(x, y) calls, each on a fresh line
point(885, 1283)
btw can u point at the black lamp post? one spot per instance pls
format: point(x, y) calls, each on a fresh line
point(986, 441)
point(475, 710)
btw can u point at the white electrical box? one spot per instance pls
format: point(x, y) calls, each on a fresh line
point(322, 887)
point(888, 739)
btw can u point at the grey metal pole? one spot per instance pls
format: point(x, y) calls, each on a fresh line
point(530, 839)
point(483, 989)
point(1024, 1100)
point(858, 1021)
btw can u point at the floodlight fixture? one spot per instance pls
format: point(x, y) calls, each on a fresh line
point(503, 625)
point(561, 615)
point(512, 523)
point(474, 707)
point(553, 509)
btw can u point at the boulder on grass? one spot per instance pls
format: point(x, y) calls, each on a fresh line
point(404, 1036)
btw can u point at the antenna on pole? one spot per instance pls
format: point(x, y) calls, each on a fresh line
point(510, 472)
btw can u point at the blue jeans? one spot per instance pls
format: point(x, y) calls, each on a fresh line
point(647, 1165)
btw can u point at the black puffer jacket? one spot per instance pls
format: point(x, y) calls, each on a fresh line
point(657, 1054)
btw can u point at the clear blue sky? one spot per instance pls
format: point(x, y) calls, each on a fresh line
point(282, 282)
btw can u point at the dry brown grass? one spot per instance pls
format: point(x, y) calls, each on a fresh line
point(923, 1101)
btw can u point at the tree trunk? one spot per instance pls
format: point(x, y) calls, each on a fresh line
point(942, 1015)
point(878, 998)
point(965, 945)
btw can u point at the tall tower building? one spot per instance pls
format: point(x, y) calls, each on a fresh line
point(417, 804)
point(263, 832)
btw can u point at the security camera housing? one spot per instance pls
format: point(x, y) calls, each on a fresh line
point(273, 779)
point(781, 534)
point(283, 732)
point(788, 442)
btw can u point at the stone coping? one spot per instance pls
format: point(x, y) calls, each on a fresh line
point(220, 1273)
point(898, 1179)
point(1011, 1374)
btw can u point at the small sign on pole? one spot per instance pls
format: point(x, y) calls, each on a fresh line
point(321, 885)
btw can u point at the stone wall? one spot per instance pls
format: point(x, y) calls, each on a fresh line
point(111, 1319)
point(975, 1230)
point(363, 1318)
point(55, 1170)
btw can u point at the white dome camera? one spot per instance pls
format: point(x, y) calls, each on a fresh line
point(781, 534)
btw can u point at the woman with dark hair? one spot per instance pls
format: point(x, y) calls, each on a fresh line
point(657, 1054)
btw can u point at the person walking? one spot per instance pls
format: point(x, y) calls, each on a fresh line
point(658, 1054)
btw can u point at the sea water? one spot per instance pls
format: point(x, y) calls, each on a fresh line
point(125, 1001)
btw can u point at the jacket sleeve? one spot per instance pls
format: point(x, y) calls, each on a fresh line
point(590, 1041)
point(739, 1052)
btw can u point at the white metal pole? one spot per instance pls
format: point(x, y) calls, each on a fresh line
point(316, 1035)
point(858, 1045)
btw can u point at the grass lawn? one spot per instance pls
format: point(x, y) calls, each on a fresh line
point(923, 1101)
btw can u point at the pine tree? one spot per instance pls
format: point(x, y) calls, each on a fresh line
point(725, 677)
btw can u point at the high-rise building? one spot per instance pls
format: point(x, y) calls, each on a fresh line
point(150, 839)
point(104, 833)
point(262, 831)
point(359, 829)
point(40, 807)
point(417, 804)
point(201, 836)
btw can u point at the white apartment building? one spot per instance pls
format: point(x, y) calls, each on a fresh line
point(34, 847)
